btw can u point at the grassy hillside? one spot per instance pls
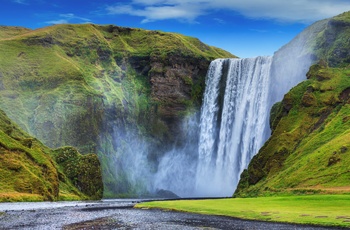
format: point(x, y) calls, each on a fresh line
point(28, 171)
point(98, 88)
point(309, 150)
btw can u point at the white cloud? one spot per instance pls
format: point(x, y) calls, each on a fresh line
point(74, 17)
point(59, 21)
point(68, 18)
point(188, 10)
point(20, 1)
point(259, 31)
point(219, 20)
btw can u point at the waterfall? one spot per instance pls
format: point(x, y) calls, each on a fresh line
point(233, 123)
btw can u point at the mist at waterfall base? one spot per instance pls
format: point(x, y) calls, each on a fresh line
point(223, 137)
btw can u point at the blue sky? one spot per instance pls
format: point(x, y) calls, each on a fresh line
point(246, 28)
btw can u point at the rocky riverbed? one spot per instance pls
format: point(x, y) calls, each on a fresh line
point(117, 214)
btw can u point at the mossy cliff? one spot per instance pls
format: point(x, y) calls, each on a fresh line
point(308, 151)
point(29, 172)
point(98, 88)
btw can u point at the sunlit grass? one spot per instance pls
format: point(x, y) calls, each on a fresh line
point(328, 210)
point(19, 197)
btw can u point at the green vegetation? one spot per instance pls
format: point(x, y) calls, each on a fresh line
point(29, 173)
point(143, 43)
point(83, 171)
point(332, 44)
point(326, 210)
point(25, 168)
point(308, 151)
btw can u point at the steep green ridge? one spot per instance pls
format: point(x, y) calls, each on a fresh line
point(98, 88)
point(308, 151)
point(28, 171)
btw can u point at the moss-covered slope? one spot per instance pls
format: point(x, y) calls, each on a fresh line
point(28, 171)
point(98, 88)
point(308, 151)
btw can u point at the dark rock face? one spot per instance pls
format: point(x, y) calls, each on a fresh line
point(345, 95)
point(176, 84)
point(172, 86)
point(47, 41)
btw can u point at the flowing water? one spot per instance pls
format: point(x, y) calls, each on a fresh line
point(233, 125)
point(234, 122)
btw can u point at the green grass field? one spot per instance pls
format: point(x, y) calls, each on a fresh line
point(326, 210)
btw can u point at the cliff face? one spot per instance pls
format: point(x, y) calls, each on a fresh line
point(99, 88)
point(308, 149)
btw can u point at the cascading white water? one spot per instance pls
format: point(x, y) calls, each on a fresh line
point(234, 122)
